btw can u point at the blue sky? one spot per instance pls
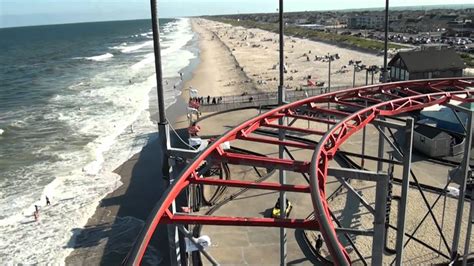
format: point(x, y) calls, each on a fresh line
point(40, 12)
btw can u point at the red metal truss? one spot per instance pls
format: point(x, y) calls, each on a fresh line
point(263, 161)
point(285, 143)
point(382, 100)
point(250, 184)
point(240, 221)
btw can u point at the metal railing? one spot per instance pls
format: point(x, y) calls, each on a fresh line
point(256, 99)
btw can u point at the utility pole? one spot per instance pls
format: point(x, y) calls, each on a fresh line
point(330, 57)
point(281, 137)
point(385, 45)
point(163, 129)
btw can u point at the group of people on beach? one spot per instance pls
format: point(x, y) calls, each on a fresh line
point(36, 213)
point(206, 100)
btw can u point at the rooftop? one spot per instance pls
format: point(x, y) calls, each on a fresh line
point(430, 60)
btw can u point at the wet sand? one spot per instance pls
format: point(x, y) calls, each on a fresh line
point(110, 232)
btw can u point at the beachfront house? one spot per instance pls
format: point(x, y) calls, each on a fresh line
point(426, 64)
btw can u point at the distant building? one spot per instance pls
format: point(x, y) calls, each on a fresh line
point(365, 22)
point(463, 28)
point(426, 64)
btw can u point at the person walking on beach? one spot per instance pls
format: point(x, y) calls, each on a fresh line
point(208, 99)
point(319, 244)
point(47, 201)
point(180, 75)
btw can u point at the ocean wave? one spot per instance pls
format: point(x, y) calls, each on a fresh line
point(102, 57)
point(118, 47)
point(18, 124)
point(132, 48)
point(97, 140)
point(149, 59)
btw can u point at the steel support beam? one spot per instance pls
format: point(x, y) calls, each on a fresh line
point(356, 174)
point(262, 161)
point(341, 230)
point(241, 221)
point(279, 142)
point(469, 228)
point(407, 152)
point(256, 222)
point(189, 236)
point(296, 129)
point(173, 235)
point(355, 193)
point(462, 187)
point(250, 184)
point(378, 242)
point(385, 123)
point(312, 119)
point(398, 153)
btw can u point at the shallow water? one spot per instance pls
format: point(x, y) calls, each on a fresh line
point(74, 105)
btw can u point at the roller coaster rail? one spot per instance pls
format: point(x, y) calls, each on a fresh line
point(347, 114)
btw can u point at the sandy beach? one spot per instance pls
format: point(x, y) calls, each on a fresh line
point(231, 61)
point(127, 207)
point(226, 66)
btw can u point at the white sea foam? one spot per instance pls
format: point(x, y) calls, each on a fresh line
point(1, 131)
point(133, 48)
point(102, 57)
point(101, 109)
point(174, 57)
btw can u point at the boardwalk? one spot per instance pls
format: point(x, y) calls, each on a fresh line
point(259, 99)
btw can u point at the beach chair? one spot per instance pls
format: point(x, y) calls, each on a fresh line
point(311, 83)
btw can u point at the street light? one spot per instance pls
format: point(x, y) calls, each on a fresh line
point(357, 67)
point(373, 69)
point(330, 58)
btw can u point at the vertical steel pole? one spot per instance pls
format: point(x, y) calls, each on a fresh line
point(378, 242)
point(281, 136)
point(469, 228)
point(159, 72)
point(407, 150)
point(354, 77)
point(364, 133)
point(385, 55)
point(329, 83)
point(163, 128)
point(462, 188)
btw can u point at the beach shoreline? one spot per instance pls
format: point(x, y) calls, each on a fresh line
point(222, 66)
point(128, 206)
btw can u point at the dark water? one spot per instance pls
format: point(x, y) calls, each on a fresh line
point(69, 98)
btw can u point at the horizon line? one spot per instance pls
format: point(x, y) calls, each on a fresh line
point(228, 14)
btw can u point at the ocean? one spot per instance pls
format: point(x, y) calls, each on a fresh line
point(74, 105)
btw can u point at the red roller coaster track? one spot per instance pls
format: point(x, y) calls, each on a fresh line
point(367, 103)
